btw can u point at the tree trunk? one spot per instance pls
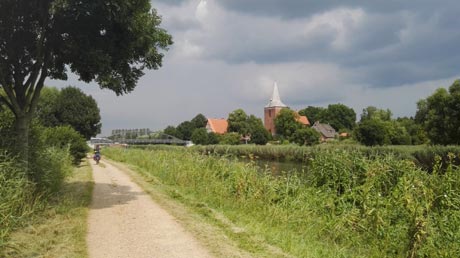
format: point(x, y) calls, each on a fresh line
point(22, 126)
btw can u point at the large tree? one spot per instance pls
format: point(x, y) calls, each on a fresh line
point(339, 116)
point(199, 121)
point(313, 113)
point(439, 114)
point(72, 107)
point(239, 122)
point(110, 42)
point(286, 123)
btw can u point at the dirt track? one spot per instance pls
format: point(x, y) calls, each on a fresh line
point(125, 222)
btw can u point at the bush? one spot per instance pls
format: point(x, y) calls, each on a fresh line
point(17, 197)
point(230, 139)
point(66, 137)
point(305, 136)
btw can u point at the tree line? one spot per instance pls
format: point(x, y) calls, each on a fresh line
point(437, 121)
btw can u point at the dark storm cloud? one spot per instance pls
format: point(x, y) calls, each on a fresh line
point(304, 8)
point(390, 43)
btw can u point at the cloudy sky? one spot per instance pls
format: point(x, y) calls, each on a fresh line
point(228, 53)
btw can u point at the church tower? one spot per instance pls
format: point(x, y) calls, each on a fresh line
point(272, 110)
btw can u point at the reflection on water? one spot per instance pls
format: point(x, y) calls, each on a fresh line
point(277, 168)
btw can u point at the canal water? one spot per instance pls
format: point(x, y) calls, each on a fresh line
point(277, 168)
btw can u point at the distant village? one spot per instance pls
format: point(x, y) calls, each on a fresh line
point(223, 131)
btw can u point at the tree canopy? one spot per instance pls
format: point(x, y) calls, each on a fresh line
point(439, 114)
point(339, 116)
point(72, 107)
point(110, 42)
point(286, 123)
point(240, 122)
point(312, 113)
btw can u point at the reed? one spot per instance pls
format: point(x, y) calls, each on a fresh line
point(348, 205)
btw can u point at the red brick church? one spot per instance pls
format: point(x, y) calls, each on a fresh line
point(273, 108)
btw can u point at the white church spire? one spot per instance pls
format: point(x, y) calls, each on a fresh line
point(275, 100)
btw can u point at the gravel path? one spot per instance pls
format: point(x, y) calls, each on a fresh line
point(125, 222)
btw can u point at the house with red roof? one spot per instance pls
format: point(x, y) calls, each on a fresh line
point(218, 126)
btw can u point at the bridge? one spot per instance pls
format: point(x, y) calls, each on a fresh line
point(154, 138)
point(173, 141)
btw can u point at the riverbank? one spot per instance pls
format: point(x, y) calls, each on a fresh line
point(350, 206)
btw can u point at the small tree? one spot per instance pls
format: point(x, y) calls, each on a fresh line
point(286, 123)
point(371, 132)
point(237, 122)
point(305, 136)
point(200, 136)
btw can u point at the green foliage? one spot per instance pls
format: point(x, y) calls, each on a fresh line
point(371, 132)
point(171, 130)
point(199, 121)
point(439, 114)
point(371, 113)
point(377, 128)
point(339, 116)
point(286, 123)
point(237, 122)
point(184, 130)
point(17, 196)
point(245, 125)
point(415, 131)
point(65, 137)
point(312, 113)
point(109, 43)
point(47, 108)
point(356, 205)
point(70, 106)
point(20, 196)
point(6, 130)
point(213, 138)
point(200, 136)
point(230, 139)
point(305, 136)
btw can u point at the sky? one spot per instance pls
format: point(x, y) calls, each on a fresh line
point(228, 53)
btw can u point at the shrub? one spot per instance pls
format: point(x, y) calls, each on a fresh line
point(230, 139)
point(66, 137)
point(17, 197)
point(306, 136)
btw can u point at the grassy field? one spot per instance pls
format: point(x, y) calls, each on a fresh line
point(349, 204)
point(58, 229)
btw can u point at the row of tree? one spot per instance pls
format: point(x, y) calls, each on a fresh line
point(437, 121)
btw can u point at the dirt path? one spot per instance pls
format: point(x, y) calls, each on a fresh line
point(125, 222)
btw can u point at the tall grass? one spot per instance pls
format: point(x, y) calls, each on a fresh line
point(348, 205)
point(17, 199)
point(21, 197)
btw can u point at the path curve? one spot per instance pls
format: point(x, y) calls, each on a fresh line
point(125, 222)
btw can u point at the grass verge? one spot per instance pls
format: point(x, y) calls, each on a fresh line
point(347, 205)
point(212, 228)
point(59, 230)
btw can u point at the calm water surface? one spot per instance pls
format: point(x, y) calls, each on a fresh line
point(279, 168)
